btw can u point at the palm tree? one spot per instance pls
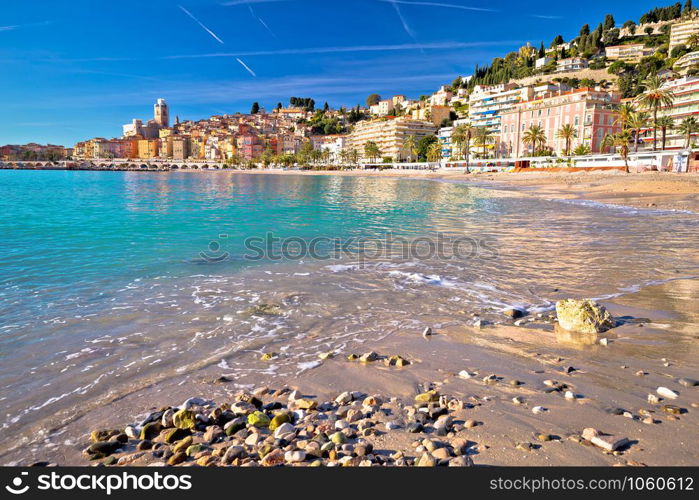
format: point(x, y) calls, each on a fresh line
point(461, 136)
point(434, 152)
point(536, 137)
point(483, 138)
point(371, 150)
point(654, 98)
point(410, 145)
point(620, 142)
point(637, 121)
point(687, 127)
point(625, 111)
point(665, 123)
point(567, 132)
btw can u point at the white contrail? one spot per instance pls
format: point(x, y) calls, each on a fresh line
point(246, 66)
point(262, 22)
point(402, 20)
point(356, 48)
point(439, 4)
point(16, 26)
point(201, 24)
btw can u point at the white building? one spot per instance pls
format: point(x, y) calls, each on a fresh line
point(571, 64)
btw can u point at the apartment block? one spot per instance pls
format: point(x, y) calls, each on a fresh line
point(389, 134)
point(632, 53)
point(686, 103)
point(571, 64)
point(593, 113)
point(680, 32)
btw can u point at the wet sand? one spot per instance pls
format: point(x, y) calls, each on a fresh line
point(607, 380)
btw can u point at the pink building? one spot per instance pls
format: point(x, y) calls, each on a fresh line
point(593, 114)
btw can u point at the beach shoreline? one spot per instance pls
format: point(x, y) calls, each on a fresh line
point(611, 380)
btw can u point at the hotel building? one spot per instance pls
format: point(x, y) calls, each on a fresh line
point(389, 134)
point(593, 113)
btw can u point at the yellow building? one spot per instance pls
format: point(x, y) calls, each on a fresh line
point(389, 134)
point(148, 148)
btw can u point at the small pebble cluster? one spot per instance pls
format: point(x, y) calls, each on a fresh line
point(290, 429)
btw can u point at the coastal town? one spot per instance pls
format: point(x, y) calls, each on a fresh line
point(618, 91)
point(380, 233)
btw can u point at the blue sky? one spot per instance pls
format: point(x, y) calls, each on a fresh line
point(77, 69)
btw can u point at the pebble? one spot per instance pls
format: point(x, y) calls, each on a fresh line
point(368, 357)
point(667, 393)
point(518, 400)
point(653, 399)
point(513, 312)
point(427, 332)
point(570, 395)
point(466, 374)
point(461, 461)
point(470, 423)
point(295, 456)
point(688, 382)
point(538, 409)
point(426, 460)
point(606, 442)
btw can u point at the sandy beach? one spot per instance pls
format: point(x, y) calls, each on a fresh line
point(610, 376)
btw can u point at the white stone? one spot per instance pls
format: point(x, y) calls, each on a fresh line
point(538, 409)
point(295, 456)
point(569, 395)
point(667, 393)
point(285, 428)
point(465, 374)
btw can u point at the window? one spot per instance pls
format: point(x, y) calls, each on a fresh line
point(577, 121)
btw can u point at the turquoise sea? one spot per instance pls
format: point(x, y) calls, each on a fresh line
point(113, 280)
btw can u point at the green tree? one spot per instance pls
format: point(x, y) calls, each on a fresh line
point(637, 122)
point(372, 151)
point(535, 137)
point(665, 123)
point(567, 132)
point(687, 127)
point(483, 137)
point(654, 98)
point(620, 142)
point(410, 145)
point(582, 150)
point(372, 100)
point(626, 111)
point(609, 22)
point(423, 146)
point(255, 108)
point(434, 152)
point(461, 137)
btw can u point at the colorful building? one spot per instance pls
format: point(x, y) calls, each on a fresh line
point(593, 114)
